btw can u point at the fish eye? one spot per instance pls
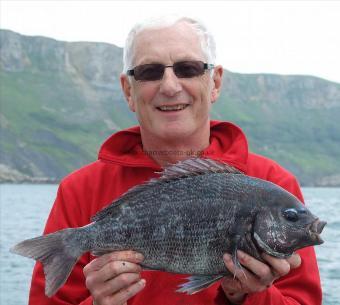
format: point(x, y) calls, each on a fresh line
point(302, 211)
point(291, 215)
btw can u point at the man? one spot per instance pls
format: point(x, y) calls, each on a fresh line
point(170, 82)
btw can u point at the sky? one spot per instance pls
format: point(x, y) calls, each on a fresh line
point(281, 37)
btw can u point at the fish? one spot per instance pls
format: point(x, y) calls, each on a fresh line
point(183, 222)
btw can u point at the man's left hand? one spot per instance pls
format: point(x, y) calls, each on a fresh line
point(257, 277)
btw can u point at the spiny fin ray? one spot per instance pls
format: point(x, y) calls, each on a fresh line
point(197, 283)
point(182, 169)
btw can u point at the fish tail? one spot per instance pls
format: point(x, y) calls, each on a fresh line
point(58, 252)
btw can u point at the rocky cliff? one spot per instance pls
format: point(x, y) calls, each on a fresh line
point(60, 100)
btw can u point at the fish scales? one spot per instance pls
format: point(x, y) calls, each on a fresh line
point(184, 222)
point(195, 208)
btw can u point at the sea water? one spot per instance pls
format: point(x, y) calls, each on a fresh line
point(24, 209)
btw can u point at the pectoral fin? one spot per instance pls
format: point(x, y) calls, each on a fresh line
point(197, 283)
point(235, 243)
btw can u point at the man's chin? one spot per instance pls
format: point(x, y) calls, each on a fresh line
point(175, 131)
point(172, 136)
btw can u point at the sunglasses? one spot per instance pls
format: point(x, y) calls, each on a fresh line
point(182, 69)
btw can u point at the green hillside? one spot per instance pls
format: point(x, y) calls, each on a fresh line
point(60, 100)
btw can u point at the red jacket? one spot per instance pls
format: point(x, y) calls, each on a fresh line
point(121, 165)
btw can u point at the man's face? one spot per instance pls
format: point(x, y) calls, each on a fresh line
point(170, 108)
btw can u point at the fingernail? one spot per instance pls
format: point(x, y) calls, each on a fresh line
point(142, 282)
point(241, 254)
point(227, 258)
point(139, 256)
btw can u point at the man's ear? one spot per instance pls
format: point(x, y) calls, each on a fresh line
point(126, 87)
point(217, 83)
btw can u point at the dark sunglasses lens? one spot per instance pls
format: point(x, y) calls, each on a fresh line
point(187, 69)
point(149, 72)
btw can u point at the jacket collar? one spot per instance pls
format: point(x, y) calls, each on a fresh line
point(227, 144)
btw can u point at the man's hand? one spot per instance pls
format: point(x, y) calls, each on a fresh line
point(257, 277)
point(114, 277)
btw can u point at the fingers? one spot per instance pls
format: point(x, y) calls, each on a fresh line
point(114, 277)
point(117, 288)
point(244, 281)
point(249, 281)
point(257, 275)
point(125, 294)
point(231, 285)
point(127, 256)
point(260, 269)
point(233, 290)
point(281, 267)
point(294, 261)
point(115, 268)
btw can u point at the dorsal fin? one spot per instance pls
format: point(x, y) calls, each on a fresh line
point(196, 166)
point(182, 169)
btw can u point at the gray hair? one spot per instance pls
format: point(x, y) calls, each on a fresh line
point(206, 38)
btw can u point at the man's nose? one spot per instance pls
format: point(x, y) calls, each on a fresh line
point(170, 84)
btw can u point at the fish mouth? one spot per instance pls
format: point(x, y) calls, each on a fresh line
point(315, 229)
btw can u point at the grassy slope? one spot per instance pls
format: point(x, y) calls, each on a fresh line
point(52, 126)
point(46, 117)
point(306, 141)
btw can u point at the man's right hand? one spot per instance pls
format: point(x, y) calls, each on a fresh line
point(114, 277)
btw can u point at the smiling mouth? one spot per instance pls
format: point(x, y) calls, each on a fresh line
point(172, 107)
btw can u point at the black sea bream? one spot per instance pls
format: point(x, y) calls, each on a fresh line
point(183, 222)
